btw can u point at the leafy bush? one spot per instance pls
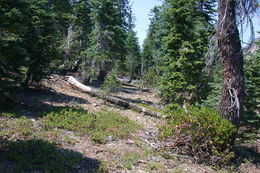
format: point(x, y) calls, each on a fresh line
point(99, 126)
point(111, 84)
point(201, 133)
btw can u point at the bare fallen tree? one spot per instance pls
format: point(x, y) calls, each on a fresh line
point(95, 93)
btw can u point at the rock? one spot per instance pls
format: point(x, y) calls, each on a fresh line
point(33, 120)
point(131, 142)
point(110, 139)
point(155, 159)
point(142, 161)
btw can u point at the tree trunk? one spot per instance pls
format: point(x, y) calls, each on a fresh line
point(66, 52)
point(231, 104)
point(102, 75)
point(95, 93)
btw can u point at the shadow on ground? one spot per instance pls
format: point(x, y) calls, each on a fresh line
point(36, 101)
point(37, 155)
point(248, 146)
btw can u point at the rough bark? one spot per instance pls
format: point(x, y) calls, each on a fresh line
point(231, 104)
point(110, 99)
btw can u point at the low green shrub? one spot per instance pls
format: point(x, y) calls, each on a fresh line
point(99, 126)
point(201, 133)
point(40, 155)
point(131, 159)
point(150, 79)
point(10, 114)
point(111, 84)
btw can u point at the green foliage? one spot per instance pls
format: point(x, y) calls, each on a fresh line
point(131, 159)
point(153, 49)
point(215, 83)
point(133, 54)
point(99, 126)
point(40, 38)
point(12, 51)
point(252, 83)
point(150, 79)
point(252, 93)
point(201, 133)
point(40, 155)
point(28, 40)
point(111, 84)
point(18, 127)
point(186, 44)
point(107, 42)
point(10, 114)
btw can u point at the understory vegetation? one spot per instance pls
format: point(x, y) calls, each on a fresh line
point(201, 133)
point(100, 126)
point(207, 85)
point(29, 147)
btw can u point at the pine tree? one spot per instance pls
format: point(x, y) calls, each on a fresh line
point(153, 44)
point(40, 39)
point(12, 29)
point(133, 54)
point(107, 43)
point(232, 96)
point(132, 60)
point(185, 45)
point(252, 83)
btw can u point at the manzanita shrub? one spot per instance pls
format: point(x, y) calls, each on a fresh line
point(199, 132)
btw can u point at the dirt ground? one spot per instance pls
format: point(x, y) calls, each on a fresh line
point(56, 91)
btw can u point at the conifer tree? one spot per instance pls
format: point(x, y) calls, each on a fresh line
point(252, 83)
point(132, 60)
point(186, 44)
point(133, 54)
point(40, 39)
point(153, 44)
point(29, 34)
point(12, 29)
point(107, 43)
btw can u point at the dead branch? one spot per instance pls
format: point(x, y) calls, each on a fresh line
point(95, 93)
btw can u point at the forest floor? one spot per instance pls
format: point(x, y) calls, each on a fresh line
point(138, 152)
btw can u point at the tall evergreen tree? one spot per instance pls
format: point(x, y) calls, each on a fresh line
point(12, 28)
point(107, 43)
point(29, 31)
point(252, 83)
point(153, 44)
point(186, 45)
point(40, 39)
point(133, 54)
point(132, 60)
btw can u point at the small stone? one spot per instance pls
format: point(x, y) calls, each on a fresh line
point(109, 139)
point(130, 142)
point(142, 161)
point(155, 159)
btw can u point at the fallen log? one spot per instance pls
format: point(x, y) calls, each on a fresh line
point(111, 99)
